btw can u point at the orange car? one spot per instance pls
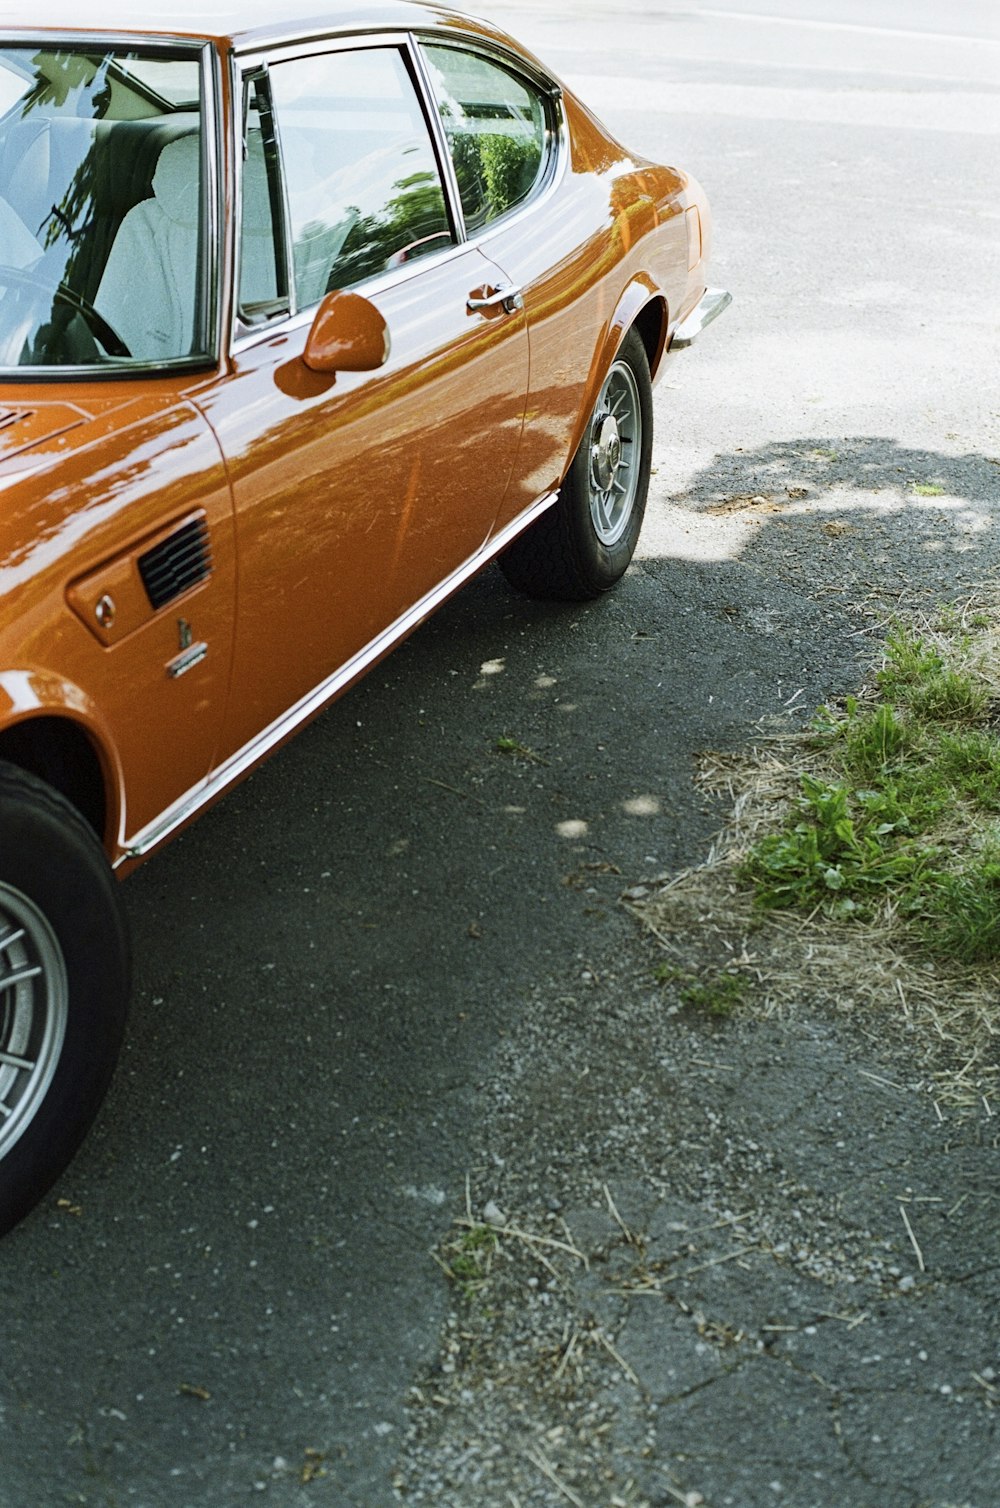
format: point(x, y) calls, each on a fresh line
point(301, 324)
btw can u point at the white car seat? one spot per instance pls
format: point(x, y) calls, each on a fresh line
point(19, 247)
point(148, 290)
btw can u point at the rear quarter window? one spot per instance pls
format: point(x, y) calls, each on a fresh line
point(495, 122)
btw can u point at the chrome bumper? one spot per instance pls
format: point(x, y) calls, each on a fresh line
point(711, 304)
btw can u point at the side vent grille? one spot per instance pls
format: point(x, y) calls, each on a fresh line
point(177, 563)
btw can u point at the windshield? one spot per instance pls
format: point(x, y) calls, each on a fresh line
point(102, 231)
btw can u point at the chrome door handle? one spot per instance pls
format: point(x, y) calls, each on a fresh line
point(505, 297)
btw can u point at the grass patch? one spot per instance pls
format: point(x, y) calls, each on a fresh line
point(718, 996)
point(861, 862)
point(716, 992)
point(959, 916)
point(900, 819)
point(469, 1257)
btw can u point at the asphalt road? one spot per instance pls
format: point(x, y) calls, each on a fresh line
point(349, 972)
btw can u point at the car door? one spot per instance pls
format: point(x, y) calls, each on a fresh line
point(541, 216)
point(356, 494)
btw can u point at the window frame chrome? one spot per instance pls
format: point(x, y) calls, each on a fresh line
point(208, 296)
point(429, 105)
point(240, 83)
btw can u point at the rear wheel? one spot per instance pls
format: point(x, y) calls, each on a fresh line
point(64, 977)
point(583, 545)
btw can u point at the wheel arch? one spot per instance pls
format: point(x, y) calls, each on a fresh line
point(651, 324)
point(44, 730)
point(642, 307)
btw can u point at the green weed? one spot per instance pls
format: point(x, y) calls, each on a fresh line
point(916, 678)
point(950, 696)
point(969, 761)
point(719, 995)
point(908, 662)
point(959, 911)
point(469, 1261)
point(873, 739)
point(515, 749)
point(851, 845)
point(895, 820)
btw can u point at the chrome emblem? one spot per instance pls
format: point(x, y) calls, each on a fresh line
point(191, 654)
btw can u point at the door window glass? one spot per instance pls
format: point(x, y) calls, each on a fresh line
point(496, 129)
point(364, 191)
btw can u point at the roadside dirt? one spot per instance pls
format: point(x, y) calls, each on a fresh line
point(737, 1260)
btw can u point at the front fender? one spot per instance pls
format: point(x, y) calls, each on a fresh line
point(27, 694)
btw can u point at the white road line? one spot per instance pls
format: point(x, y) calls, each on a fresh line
point(970, 113)
point(855, 26)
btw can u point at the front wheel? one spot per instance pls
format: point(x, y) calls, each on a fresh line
point(64, 979)
point(583, 545)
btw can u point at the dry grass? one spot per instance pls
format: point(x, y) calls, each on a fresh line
point(707, 918)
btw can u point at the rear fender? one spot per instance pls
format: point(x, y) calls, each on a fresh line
point(641, 301)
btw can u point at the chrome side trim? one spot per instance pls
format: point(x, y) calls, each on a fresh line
point(257, 47)
point(28, 34)
point(713, 302)
point(282, 728)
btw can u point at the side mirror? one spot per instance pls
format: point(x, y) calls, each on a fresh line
point(347, 335)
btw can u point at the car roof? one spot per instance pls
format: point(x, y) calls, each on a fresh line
point(240, 22)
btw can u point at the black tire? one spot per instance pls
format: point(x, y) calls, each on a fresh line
point(583, 545)
point(64, 984)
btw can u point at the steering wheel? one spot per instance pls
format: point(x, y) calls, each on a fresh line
point(64, 294)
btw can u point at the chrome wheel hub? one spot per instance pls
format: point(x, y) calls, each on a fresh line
point(34, 1000)
point(615, 454)
point(607, 453)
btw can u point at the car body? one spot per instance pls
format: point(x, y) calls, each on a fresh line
point(301, 324)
